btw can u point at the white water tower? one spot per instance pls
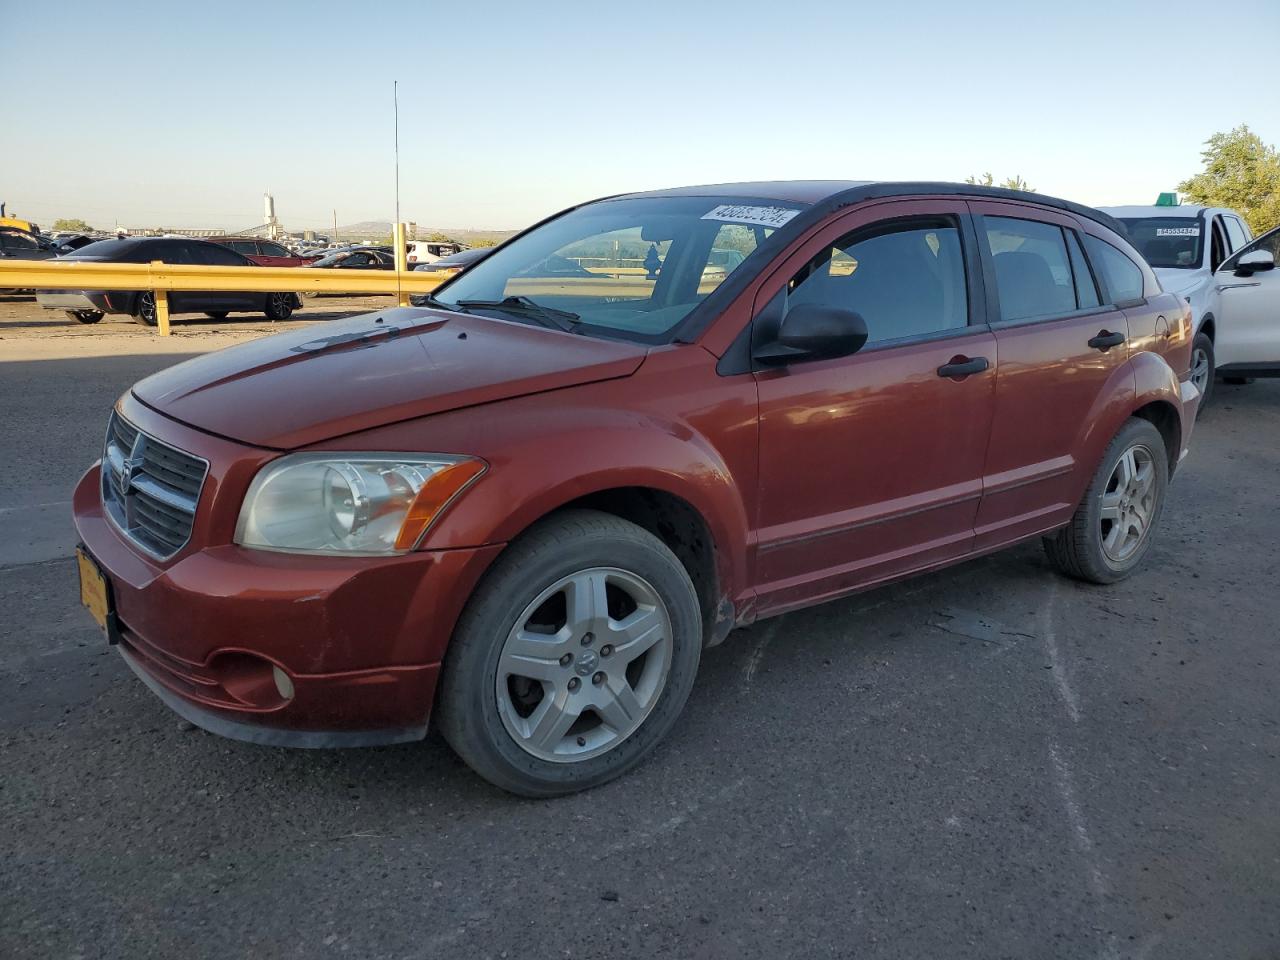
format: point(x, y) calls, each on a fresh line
point(274, 230)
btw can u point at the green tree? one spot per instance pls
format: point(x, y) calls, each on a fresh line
point(484, 242)
point(435, 236)
point(71, 226)
point(1240, 172)
point(1009, 183)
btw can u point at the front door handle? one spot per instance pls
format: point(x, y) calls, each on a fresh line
point(1104, 341)
point(961, 367)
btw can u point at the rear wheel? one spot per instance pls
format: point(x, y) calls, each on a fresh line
point(1202, 367)
point(279, 306)
point(573, 658)
point(1112, 528)
point(85, 316)
point(145, 311)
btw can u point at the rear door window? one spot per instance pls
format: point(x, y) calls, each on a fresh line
point(1086, 287)
point(1034, 278)
point(1121, 276)
point(904, 277)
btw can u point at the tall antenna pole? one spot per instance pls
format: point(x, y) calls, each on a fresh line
point(395, 96)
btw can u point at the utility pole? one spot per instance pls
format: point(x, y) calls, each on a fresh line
point(335, 226)
point(395, 97)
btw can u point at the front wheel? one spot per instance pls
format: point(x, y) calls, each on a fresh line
point(279, 306)
point(145, 312)
point(85, 316)
point(1202, 367)
point(1112, 529)
point(573, 658)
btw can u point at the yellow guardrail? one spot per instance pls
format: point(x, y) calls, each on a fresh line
point(164, 278)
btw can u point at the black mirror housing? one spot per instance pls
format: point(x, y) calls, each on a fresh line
point(813, 331)
point(1254, 261)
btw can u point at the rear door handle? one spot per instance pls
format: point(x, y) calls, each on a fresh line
point(961, 367)
point(1104, 341)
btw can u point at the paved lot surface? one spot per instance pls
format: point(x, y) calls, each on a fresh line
point(987, 762)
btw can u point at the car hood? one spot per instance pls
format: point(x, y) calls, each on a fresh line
point(1181, 282)
point(305, 386)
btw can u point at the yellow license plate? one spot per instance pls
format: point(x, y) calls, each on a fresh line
point(93, 589)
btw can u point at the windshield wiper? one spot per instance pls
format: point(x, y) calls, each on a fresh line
point(550, 316)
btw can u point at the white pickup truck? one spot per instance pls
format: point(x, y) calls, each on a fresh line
point(1209, 256)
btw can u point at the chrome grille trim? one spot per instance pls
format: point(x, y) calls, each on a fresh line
point(150, 489)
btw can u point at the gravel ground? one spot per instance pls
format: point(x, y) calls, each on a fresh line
point(986, 762)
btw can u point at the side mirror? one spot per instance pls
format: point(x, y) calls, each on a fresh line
point(1253, 261)
point(812, 331)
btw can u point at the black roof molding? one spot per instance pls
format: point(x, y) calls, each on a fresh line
point(880, 191)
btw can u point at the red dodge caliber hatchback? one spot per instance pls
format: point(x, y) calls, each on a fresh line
point(524, 510)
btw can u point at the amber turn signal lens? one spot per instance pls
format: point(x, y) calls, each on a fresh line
point(434, 496)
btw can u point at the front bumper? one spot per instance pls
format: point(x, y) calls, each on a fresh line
point(1189, 394)
point(360, 640)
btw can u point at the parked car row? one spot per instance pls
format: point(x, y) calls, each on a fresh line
point(535, 502)
point(89, 306)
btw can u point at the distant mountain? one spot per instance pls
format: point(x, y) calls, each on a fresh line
point(367, 227)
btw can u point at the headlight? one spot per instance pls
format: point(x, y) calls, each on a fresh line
point(364, 503)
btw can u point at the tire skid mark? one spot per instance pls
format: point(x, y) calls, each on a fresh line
point(757, 652)
point(1057, 667)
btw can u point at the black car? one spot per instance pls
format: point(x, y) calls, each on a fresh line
point(89, 306)
point(454, 263)
point(355, 258)
point(71, 242)
point(17, 244)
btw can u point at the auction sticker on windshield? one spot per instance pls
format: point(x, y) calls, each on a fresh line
point(761, 216)
point(1177, 231)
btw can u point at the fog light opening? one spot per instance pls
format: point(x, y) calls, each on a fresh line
point(284, 685)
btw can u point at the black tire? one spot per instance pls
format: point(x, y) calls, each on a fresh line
point(85, 316)
point(467, 703)
point(279, 306)
point(1077, 549)
point(144, 310)
point(1202, 346)
point(216, 314)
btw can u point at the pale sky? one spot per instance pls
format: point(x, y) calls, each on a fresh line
point(169, 114)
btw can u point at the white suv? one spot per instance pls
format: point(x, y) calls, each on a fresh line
point(1209, 256)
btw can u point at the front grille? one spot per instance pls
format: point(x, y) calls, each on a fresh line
point(150, 489)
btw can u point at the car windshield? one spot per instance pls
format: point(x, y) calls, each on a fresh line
point(1167, 241)
point(634, 267)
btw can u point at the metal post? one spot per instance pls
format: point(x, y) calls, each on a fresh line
point(402, 261)
point(162, 312)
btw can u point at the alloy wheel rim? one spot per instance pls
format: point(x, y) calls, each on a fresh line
point(584, 665)
point(148, 307)
point(277, 302)
point(1200, 369)
point(1128, 504)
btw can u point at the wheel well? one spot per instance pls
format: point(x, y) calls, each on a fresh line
point(681, 527)
point(1207, 327)
point(1164, 418)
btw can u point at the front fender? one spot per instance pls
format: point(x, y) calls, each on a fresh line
point(543, 463)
